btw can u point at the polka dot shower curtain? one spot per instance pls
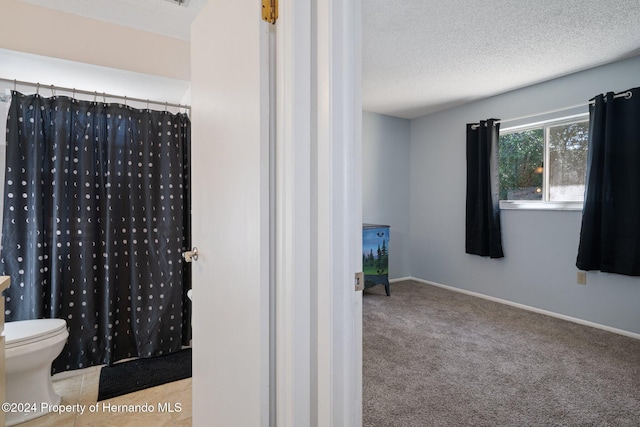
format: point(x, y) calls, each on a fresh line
point(95, 221)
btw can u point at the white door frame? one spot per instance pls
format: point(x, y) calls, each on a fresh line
point(317, 208)
point(319, 214)
point(339, 213)
point(293, 197)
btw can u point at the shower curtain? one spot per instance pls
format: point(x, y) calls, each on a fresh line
point(96, 217)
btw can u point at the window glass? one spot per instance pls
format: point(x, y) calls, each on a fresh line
point(546, 163)
point(567, 161)
point(521, 160)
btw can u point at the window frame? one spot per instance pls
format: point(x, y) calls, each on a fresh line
point(545, 203)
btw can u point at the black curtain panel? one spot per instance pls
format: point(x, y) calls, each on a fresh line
point(96, 217)
point(610, 234)
point(483, 235)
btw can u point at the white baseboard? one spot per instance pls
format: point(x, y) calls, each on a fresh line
point(526, 307)
point(401, 279)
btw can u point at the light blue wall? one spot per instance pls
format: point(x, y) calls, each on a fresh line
point(540, 246)
point(385, 178)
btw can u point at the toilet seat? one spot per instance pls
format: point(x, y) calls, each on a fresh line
point(23, 332)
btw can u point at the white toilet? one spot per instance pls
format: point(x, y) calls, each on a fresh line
point(30, 348)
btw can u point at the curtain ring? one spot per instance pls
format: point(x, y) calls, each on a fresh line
point(104, 97)
point(15, 84)
point(628, 95)
point(53, 91)
point(125, 101)
point(73, 94)
point(147, 104)
point(166, 106)
point(95, 96)
point(38, 88)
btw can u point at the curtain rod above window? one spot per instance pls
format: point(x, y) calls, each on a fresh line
point(626, 95)
point(53, 88)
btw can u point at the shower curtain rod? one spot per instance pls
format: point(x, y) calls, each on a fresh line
point(627, 95)
point(53, 88)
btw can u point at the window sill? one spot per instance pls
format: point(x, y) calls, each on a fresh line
point(536, 205)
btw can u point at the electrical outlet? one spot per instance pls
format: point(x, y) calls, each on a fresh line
point(582, 278)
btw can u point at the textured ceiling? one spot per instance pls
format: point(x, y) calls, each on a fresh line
point(422, 56)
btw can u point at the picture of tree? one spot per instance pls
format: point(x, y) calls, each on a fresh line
point(375, 256)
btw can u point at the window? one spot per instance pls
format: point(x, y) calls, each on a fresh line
point(544, 165)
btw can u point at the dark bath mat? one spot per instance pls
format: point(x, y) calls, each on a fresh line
point(135, 375)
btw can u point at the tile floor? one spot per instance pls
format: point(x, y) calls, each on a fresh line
point(83, 390)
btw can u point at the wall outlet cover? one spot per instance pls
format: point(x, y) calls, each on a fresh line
point(582, 278)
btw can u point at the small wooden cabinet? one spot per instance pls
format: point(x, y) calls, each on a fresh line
point(375, 255)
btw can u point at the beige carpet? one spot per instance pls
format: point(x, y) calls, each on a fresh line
point(434, 357)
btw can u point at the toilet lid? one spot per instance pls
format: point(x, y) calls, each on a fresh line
point(23, 332)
